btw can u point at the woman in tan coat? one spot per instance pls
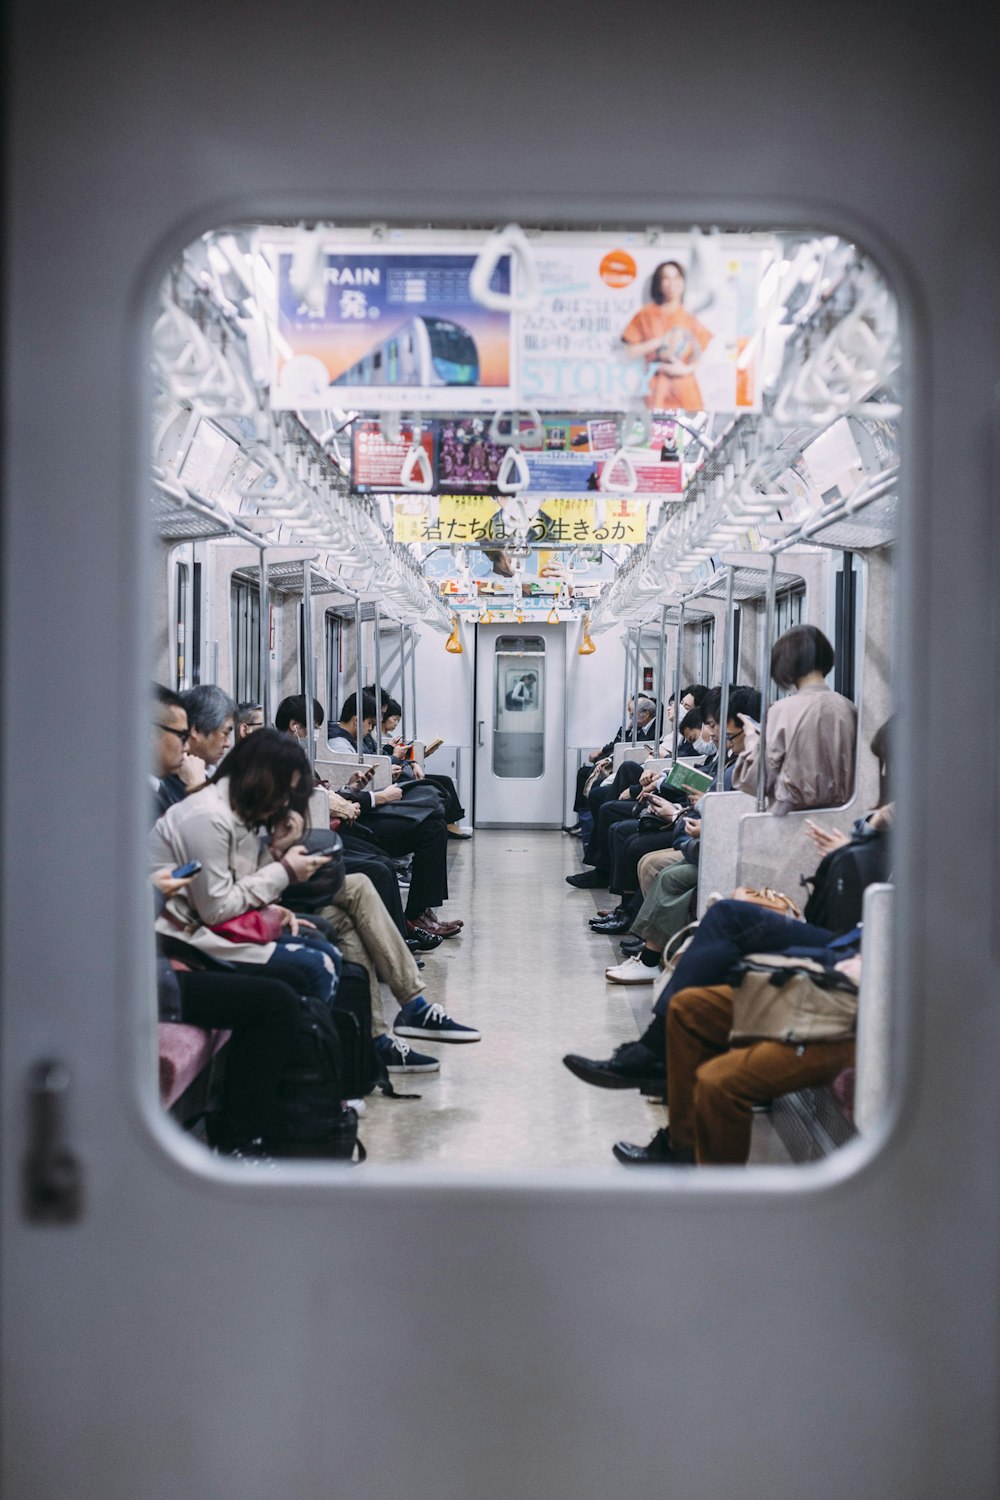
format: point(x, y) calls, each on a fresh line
point(811, 735)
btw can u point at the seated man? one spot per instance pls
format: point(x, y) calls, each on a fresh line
point(248, 718)
point(606, 751)
point(401, 826)
point(712, 1088)
point(211, 713)
point(362, 856)
point(170, 737)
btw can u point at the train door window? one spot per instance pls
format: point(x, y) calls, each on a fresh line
point(182, 597)
point(519, 707)
point(196, 624)
point(845, 644)
point(334, 646)
point(789, 607)
point(244, 614)
point(734, 660)
point(706, 651)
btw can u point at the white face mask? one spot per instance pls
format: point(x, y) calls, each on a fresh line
point(704, 747)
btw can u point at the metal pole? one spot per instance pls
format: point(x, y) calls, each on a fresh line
point(661, 662)
point(309, 664)
point(635, 690)
point(413, 679)
point(727, 672)
point(378, 679)
point(358, 665)
point(628, 643)
point(765, 682)
point(677, 677)
point(403, 695)
point(264, 644)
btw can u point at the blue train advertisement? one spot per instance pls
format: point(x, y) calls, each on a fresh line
point(391, 330)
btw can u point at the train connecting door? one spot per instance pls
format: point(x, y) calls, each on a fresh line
point(520, 717)
point(173, 1326)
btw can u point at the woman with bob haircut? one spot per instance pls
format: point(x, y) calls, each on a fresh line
point(811, 735)
point(220, 826)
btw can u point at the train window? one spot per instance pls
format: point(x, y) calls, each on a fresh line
point(181, 625)
point(244, 612)
point(519, 707)
point(522, 470)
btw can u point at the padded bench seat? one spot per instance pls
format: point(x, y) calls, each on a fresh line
point(185, 1051)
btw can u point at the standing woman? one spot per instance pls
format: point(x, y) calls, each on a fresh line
point(241, 830)
point(671, 339)
point(811, 735)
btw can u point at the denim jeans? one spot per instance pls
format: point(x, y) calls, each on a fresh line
point(727, 931)
point(308, 964)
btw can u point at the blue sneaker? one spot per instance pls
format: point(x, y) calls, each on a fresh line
point(399, 1057)
point(431, 1022)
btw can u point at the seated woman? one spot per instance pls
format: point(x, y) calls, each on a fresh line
point(811, 735)
point(220, 827)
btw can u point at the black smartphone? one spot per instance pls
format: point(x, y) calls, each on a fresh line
point(183, 871)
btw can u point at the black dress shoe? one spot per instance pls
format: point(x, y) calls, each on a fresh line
point(630, 1066)
point(631, 944)
point(618, 921)
point(590, 880)
point(419, 940)
point(574, 829)
point(659, 1153)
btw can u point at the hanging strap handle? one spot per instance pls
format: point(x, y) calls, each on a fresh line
point(511, 241)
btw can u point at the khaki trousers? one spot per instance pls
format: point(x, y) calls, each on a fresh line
point(712, 1088)
point(367, 935)
point(651, 864)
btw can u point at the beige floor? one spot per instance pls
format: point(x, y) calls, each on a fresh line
point(529, 973)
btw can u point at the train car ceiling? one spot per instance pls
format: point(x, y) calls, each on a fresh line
point(536, 422)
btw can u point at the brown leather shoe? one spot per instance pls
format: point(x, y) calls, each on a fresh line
point(431, 919)
point(440, 929)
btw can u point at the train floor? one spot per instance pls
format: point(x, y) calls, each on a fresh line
point(529, 973)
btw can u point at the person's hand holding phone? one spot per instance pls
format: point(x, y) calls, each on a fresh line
point(168, 884)
point(301, 865)
point(826, 839)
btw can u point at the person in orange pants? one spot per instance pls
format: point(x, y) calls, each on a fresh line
point(712, 1088)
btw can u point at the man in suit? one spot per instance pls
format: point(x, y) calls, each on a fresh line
point(399, 825)
point(170, 737)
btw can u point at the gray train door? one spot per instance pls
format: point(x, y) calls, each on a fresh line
point(171, 1329)
point(520, 717)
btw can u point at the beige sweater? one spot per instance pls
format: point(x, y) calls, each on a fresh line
point(811, 739)
point(237, 874)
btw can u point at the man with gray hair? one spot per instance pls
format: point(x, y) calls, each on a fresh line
point(211, 713)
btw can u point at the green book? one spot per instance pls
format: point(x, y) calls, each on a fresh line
point(689, 776)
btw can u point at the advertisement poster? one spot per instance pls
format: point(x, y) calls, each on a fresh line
point(674, 325)
point(611, 519)
point(377, 464)
point(399, 330)
point(467, 460)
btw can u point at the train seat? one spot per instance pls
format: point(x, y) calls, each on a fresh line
point(184, 1053)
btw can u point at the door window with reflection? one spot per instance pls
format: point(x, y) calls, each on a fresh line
point(519, 707)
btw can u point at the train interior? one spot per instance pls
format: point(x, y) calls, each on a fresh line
point(467, 467)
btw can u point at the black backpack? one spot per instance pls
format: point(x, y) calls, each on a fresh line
point(308, 1117)
point(837, 889)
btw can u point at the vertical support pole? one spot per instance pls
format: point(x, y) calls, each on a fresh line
point(309, 662)
point(765, 681)
point(359, 655)
point(264, 642)
point(404, 697)
point(628, 644)
point(677, 678)
point(637, 678)
point(413, 680)
point(377, 679)
point(727, 672)
point(661, 664)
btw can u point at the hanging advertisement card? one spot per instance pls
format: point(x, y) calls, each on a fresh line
point(377, 464)
point(398, 328)
point(674, 325)
point(467, 460)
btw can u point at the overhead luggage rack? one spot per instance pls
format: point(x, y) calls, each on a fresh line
point(873, 526)
point(748, 583)
point(286, 578)
point(177, 522)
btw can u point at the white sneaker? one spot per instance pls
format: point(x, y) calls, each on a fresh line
point(358, 1105)
point(633, 971)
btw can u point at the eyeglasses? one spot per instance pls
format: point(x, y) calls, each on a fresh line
point(182, 734)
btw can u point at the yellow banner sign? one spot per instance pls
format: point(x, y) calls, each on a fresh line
point(460, 518)
point(578, 518)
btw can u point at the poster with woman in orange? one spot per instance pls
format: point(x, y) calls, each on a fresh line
point(671, 339)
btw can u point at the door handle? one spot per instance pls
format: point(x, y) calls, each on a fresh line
point(479, 731)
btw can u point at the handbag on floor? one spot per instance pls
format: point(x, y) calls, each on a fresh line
point(781, 998)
